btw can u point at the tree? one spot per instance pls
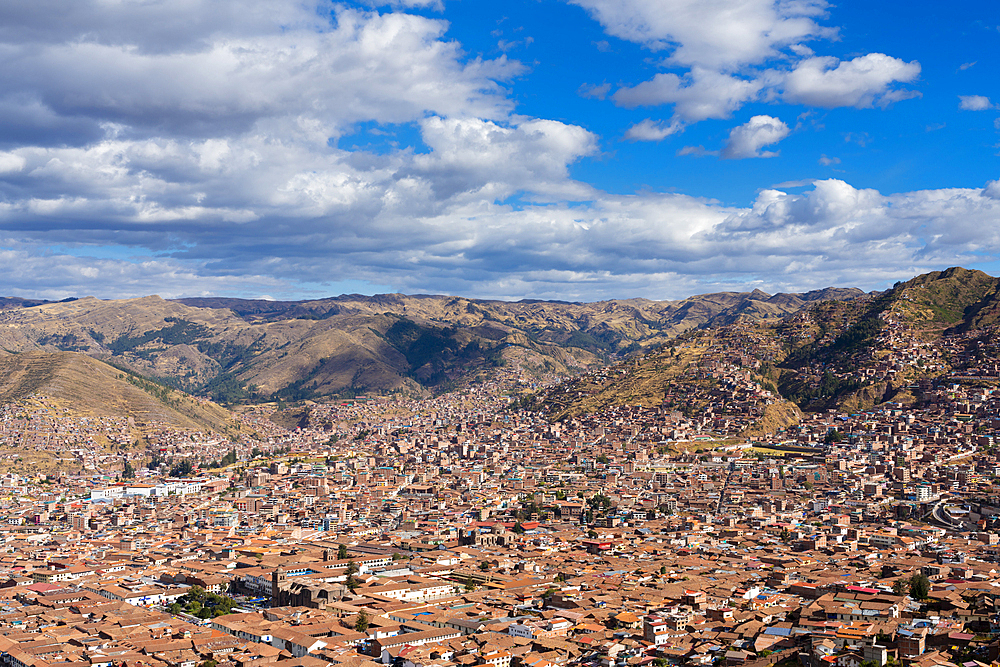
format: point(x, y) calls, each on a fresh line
point(128, 472)
point(900, 586)
point(362, 622)
point(341, 552)
point(352, 568)
point(785, 534)
point(182, 469)
point(833, 436)
point(920, 586)
point(484, 565)
point(518, 528)
point(592, 533)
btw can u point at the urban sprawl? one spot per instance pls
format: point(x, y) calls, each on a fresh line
point(461, 530)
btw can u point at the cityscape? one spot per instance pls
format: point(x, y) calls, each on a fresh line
point(532, 333)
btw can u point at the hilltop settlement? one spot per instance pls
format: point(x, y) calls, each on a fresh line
point(817, 490)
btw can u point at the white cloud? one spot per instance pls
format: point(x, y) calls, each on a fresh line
point(723, 44)
point(695, 151)
point(193, 139)
point(974, 103)
point(699, 95)
point(718, 34)
point(828, 161)
point(11, 162)
point(746, 140)
point(284, 215)
point(861, 82)
point(480, 159)
point(597, 91)
point(389, 68)
point(651, 130)
point(409, 4)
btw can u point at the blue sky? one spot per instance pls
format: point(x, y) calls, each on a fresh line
point(565, 149)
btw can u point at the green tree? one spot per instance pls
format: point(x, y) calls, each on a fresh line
point(182, 469)
point(920, 586)
point(128, 472)
point(362, 622)
point(900, 586)
point(785, 534)
point(352, 582)
point(341, 552)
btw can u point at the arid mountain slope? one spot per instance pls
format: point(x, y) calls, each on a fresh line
point(843, 354)
point(234, 349)
point(88, 387)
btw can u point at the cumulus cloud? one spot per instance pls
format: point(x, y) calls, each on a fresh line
point(596, 91)
point(365, 66)
point(409, 4)
point(974, 103)
point(699, 95)
point(480, 159)
point(649, 130)
point(723, 44)
point(201, 141)
point(695, 151)
point(718, 34)
point(861, 82)
point(207, 213)
point(746, 140)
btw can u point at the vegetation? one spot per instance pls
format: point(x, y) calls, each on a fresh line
point(183, 468)
point(202, 605)
point(919, 586)
point(178, 333)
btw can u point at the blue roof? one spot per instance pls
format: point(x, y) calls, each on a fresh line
point(778, 632)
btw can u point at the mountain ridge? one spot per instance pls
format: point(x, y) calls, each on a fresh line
point(250, 349)
point(890, 346)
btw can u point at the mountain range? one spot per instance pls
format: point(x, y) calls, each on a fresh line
point(850, 354)
point(238, 350)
